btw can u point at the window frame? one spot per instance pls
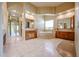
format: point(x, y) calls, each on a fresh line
point(45, 28)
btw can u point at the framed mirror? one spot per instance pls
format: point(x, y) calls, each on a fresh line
point(66, 23)
point(29, 24)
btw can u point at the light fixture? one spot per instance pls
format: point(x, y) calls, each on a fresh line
point(69, 14)
point(29, 16)
point(60, 16)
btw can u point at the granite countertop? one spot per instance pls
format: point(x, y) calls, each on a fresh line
point(30, 29)
point(66, 30)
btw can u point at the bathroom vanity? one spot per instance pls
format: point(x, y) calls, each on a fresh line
point(30, 31)
point(65, 29)
point(30, 34)
point(68, 35)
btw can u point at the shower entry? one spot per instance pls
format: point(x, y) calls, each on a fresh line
point(14, 26)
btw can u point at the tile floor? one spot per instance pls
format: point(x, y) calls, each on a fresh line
point(17, 47)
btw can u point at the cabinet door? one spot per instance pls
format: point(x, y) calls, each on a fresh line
point(71, 36)
point(65, 35)
point(30, 34)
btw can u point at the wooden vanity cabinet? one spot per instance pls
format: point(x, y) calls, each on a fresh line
point(69, 34)
point(30, 34)
point(65, 35)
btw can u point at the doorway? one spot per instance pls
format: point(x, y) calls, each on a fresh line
point(14, 26)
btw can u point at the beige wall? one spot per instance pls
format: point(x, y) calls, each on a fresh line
point(65, 6)
point(1, 30)
point(29, 7)
point(40, 10)
point(21, 7)
point(77, 29)
point(15, 6)
point(3, 24)
point(5, 14)
point(46, 10)
point(57, 9)
point(5, 19)
point(39, 22)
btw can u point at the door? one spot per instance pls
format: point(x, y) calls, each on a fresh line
point(14, 27)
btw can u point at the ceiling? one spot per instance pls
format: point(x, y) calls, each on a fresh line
point(46, 4)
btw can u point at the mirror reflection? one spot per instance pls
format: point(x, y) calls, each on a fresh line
point(64, 23)
point(30, 24)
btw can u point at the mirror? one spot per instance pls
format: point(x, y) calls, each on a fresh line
point(30, 23)
point(65, 23)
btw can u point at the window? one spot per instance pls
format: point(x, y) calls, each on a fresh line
point(49, 24)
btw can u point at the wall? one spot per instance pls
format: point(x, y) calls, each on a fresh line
point(21, 7)
point(5, 19)
point(77, 28)
point(65, 6)
point(39, 22)
point(52, 10)
point(46, 10)
point(1, 29)
point(15, 6)
point(29, 7)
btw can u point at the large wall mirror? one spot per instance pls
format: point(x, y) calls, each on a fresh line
point(29, 23)
point(66, 23)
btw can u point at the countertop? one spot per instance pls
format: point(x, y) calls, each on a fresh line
point(30, 29)
point(66, 30)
